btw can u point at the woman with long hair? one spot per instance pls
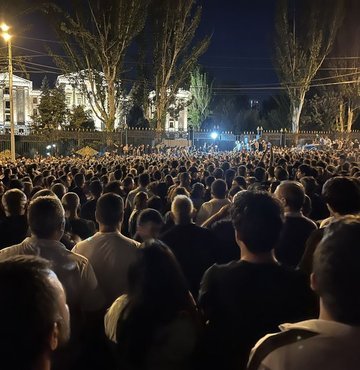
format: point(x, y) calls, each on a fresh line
point(155, 326)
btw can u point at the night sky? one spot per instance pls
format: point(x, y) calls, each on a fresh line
point(242, 47)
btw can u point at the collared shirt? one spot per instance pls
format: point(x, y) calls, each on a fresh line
point(110, 254)
point(208, 209)
point(330, 345)
point(74, 271)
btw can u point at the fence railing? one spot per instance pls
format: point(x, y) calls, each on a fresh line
point(66, 142)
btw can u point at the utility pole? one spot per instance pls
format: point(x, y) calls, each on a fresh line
point(7, 37)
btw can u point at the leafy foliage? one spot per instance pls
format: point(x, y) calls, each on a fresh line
point(201, 92)
point(174, 25)
point(302, 44)
point(95, 37)
point(52, 108)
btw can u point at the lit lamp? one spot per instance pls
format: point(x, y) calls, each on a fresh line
point(7, 38)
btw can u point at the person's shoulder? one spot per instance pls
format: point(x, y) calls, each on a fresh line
point(217, 271)
point(269, 347)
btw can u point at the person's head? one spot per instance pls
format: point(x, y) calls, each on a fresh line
point(184, 179)
point(281, 174)
point(149, 224)
point(79, 180)
point(260, 174)
point(156, 203)
point(182, 209)
point(128, 184)
point(113, 187)
point(144, 180)
point(95, 189)
point(219, 189)
point(198, 191)
point(43, 193)
point(28, 186)
point(46, 218)
point(118, 174)
point(257, 221)
point(291, 194)
point(71, 204)
point(14, 203)
point(336, 273)
point(342, 196)
point(59, 190)
point(109, 212)
point(34, 318)
point(140, 200)
point(303, 170)
point(16, 184)
point(156, 282)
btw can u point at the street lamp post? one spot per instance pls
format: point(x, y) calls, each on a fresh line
point(7, 37)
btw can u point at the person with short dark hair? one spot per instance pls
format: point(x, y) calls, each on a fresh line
point(342, 197)
point(219, 200)
point(149, 225)
point(109, 252)
point(244, 299)
point(79, 228)
point(194, 247)
point(14, 227)
point(88, 209)
point(79, 181)
point(332, 341)
point(34, 318)
point(297, 228)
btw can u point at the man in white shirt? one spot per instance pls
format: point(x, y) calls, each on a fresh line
point(46, 219)
point(332, 341)
point(144, 181)
point(109, 252)
point(219, 200)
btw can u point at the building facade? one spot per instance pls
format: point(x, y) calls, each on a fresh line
point(177, 117)
point(26, 102)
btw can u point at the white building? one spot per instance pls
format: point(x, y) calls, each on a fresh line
point(26, 101)
point(179, 121)
point(75, 96)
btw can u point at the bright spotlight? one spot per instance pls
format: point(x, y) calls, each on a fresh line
point(214, 135)
point(4, 27)
point(48, 147)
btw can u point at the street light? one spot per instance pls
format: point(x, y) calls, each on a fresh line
point(7, 38)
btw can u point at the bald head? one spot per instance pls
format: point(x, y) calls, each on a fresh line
point(182, 209)
point(291, 194)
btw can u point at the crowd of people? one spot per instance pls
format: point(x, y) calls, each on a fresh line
point(181, 260)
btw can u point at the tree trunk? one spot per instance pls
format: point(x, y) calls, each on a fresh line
point(350, 118)
point(341, 117)
point(296, 108)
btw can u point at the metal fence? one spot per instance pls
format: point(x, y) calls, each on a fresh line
point(65, 142)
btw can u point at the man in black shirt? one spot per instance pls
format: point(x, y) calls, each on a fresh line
point(14, 227)
point(245, 299)
point(193, 246)
point(297, 228)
